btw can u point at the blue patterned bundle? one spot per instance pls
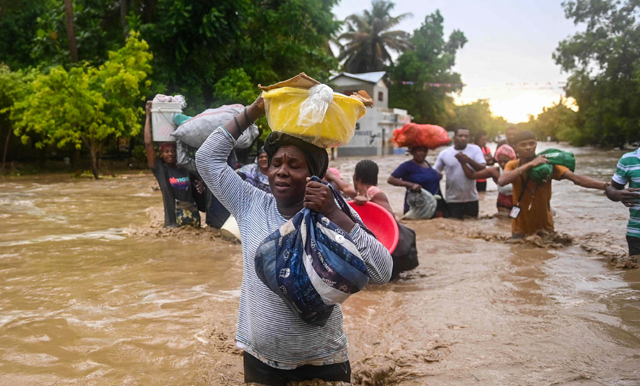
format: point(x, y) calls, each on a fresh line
point(312, 264)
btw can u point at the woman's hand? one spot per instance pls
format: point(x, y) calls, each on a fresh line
point(256, 109)
point(416, 187)
point(360, 200)
point(319, 197)
point(147, 107)
point(199, 186)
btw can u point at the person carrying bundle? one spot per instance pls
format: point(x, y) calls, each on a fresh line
point(182, 190)
point(417, 174)
point(282, 341)
point(531, 210)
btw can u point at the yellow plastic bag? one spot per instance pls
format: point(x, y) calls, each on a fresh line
point(312, 115)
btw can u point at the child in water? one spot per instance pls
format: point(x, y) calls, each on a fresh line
point(365, 188)
point(365, 185)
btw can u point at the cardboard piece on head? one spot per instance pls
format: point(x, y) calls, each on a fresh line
point(301, 80)
point(304, 81)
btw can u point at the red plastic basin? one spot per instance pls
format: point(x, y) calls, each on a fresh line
point(380, 222)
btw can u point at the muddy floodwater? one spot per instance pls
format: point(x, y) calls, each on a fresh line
point(93, 292)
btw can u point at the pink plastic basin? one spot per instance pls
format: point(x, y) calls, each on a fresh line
point(380, 222)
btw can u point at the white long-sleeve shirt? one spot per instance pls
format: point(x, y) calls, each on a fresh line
point(267, 329)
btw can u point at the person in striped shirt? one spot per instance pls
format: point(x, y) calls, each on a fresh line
point(278, 346)
point(628, 172)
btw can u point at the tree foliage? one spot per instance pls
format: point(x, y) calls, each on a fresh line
point(557, 123)
point(431, 61)
point(604, 62)
point(477, 116)
point(14, 87)
point(369, 39)
point(86, 105)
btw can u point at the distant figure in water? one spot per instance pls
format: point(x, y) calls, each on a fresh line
point(364, 189)
point(181, 190)
point(256, 173)
point(418, 174)
point(504, 154)
point(628, 172)
point(481, 141)
point(531, 210)
point(462, 194)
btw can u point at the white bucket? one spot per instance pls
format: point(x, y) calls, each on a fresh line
point(162, 114)
point(230, 229)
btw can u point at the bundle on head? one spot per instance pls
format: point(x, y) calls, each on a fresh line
point(415, 135)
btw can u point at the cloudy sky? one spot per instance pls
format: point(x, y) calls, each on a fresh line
point(508, 56)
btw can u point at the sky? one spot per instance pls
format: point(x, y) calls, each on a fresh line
point(509, 49)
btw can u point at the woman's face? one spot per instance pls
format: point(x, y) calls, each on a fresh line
point(263, 163)
point(503, 160)
point(482, 141)
point(169, 154)
point(419, 154)
point(288, 174)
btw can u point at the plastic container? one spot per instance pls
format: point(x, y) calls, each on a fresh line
point(162, 124)
point(380, 222)
point(230, 229)
point(282, 106)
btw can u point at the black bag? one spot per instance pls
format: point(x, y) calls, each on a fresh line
point(405, 257)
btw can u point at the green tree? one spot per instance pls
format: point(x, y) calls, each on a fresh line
point(604, 63)
point(14, 87)
point(86, 105)
point(368, 38)
point(17, 19)
point(431, 61)
point(477, 116)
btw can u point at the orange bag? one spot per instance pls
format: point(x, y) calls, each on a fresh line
point(413, 134)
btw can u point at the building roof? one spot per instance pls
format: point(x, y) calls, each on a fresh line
point(370, 77)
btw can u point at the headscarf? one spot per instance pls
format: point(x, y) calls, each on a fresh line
point(506, 150)
point(261, 150)
point(524, 136)
point(317, 157)
point(166, 145)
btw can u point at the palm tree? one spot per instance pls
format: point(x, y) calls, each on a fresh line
point(368, 39)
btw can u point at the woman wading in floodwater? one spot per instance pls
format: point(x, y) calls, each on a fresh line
point(278, 346)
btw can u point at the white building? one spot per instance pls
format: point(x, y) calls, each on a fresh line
point(375, 130)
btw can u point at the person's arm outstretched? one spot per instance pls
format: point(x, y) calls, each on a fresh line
point(584, 181)
point(480, 174)
point(509, 176)
point(399, 182)
point(148, 139)
point(342, 185)
point(470, 161)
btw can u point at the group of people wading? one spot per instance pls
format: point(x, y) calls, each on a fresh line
point(278, 346)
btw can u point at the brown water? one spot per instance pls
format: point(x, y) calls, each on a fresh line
point(93, 292)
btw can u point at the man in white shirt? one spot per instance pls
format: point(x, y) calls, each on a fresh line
point(462, 195)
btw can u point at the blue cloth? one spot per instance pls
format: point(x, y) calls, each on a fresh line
point(428, 178)
point(312, 264)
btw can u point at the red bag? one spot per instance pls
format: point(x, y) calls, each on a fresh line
point(413, 134)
